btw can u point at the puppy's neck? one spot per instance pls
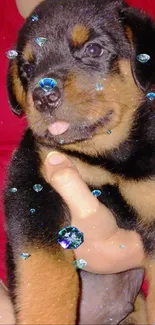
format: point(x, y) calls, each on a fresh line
point(92, 175)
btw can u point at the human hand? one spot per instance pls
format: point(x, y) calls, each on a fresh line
point(26, 7)
point(6, 309)
point(106, 248)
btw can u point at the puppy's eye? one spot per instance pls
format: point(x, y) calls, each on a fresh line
point(27, 69)
point(94, 50)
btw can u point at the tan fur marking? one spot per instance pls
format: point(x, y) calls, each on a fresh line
point(92, 175)
point(122, 96)
point(27, 53)
point(141, 196)
point(36, 120)
point(17, 86)
point(80, 34)
point(150, 272)
point(101, 143)
point(48, 288)
point(129, 35)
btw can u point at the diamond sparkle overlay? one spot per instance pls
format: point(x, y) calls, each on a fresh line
point(99, 87)
point(37, 187)
point(25, 256)
point(32, 210)
point(13, 190)
point(96, 193)
point(47, 84)
point(11, 54)
point(34, 18)
point(151, 96)
point(143, 58)
point(70, 237)
point(80, 264)
point(122, 246)
point(40, 41)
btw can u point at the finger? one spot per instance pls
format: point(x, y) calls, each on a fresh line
point(122, 251)
point(66, 180)
point(82, 204)
point(6, 309)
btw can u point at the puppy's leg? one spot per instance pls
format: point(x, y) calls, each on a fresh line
point(150, 273)
point(47, 288)
point(139, 315)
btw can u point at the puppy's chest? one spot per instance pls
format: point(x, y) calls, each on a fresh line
point(126, 198)
point(131, 197)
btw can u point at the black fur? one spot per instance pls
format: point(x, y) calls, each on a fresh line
point(46, 202)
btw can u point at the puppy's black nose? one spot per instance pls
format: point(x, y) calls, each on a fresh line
point(46, 100)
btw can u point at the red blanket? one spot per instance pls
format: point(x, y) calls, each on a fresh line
point(11, 127)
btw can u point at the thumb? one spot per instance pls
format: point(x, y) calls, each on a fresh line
point(87, 213)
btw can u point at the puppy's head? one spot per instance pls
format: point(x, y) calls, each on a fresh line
point(89, 53)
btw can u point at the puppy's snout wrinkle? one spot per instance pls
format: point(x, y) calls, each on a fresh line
point(46, 100)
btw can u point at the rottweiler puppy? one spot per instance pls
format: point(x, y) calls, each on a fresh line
point(100, 57)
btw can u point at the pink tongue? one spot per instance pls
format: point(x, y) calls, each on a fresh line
point(58, 128)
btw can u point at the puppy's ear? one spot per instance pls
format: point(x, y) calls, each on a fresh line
point(140, 31)
point(16, 91)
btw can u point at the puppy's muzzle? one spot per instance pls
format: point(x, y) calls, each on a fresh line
point(44, 101)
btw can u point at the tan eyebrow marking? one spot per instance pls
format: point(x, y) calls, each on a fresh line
point(27, 53)
point(80, 34)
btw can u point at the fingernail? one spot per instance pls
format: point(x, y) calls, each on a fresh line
point(55, 158)
point(3, 285)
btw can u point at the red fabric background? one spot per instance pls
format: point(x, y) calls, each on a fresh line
point(11, 127)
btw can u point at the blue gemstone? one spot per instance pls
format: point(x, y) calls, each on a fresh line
point(70, 237)
point(47, 84)
point(80, 264)
point(61, 141)
point(99, 87)
point(109, 131)
point(122, 246)
point(13, 190)
point(12, 54)
point(96, 193)
point(37, 187)
point(151, 96)
point(25, 256)
point(32, 210)
point(40, 41)
point(34, 18)
point(143, 58)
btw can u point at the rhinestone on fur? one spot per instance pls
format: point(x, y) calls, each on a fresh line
point(37, 187)
point(40, 41)
point(143, 58)
point(11, 54)
point(25, 256)
point(34, 18)
point(70, 237)
point(80, 264)
point(151, 96)
point(47, 84)
point(96, 193)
